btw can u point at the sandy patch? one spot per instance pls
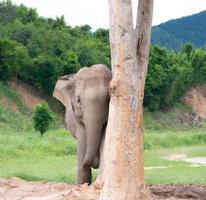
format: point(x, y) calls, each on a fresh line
point(18, 189)
point(194, 161)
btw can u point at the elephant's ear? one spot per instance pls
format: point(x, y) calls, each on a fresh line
point(63, 88)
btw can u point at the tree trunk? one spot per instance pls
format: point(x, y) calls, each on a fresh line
point(123, 170)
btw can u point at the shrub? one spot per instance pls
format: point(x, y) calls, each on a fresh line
point(169, 75)
point(42, 117)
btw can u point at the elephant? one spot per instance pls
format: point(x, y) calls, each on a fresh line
point(85, 96)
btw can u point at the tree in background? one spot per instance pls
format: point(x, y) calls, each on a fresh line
point(42, 117)
point(53, 47)
point(13, 56)
point(71, 62)
point(123, 166)
point(169, 75)
point(38, 50)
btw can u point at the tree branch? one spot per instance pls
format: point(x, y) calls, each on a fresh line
point(143, 30)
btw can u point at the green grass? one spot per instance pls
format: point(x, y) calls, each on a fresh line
point(176, 171)
point(176, 175)
point(13, 97)
point(50, 168)
point(32, 157)
point(170, 139)
point(53, 158)
point(25, 154)
point(11, 121)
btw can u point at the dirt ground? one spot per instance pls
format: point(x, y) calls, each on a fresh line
point(30, 95)
point(18, 189)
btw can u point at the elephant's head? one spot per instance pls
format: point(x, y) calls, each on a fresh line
point(87, 94)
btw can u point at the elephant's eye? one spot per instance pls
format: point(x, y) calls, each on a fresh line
point(78, 99)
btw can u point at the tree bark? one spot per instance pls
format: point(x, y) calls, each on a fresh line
point(123, 170)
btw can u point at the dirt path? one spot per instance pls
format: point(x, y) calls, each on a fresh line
point(18, 189)
point(194, 161)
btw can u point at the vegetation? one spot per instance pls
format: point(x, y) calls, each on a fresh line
point(27, 155)
point(174, 33)
point(53, 157)
point(39, 58)
point(170, 74)
point(28, 53)
point(42, 117)
point(39, 50)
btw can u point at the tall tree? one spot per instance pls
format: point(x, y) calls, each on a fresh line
point(123, 171)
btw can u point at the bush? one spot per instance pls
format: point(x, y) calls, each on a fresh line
point(169, 75)
point(13, 56)
point(42, 117)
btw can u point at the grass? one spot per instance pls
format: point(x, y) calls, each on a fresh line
point(32, 157)
point(176, 175)
point(13, 97)
point(25, 154)
point(170, 139)
point(53, 158)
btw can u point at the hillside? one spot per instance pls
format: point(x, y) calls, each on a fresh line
point(18, 99)
point(39, 59)
point(175, 33)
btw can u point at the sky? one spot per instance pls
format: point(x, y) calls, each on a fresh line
point(95, 12)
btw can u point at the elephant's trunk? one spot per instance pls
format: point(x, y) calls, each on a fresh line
point(94, 127)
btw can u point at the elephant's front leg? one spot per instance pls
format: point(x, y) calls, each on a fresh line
point(84, 173)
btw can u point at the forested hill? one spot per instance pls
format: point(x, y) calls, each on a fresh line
point(175, 33)
point(38, 50)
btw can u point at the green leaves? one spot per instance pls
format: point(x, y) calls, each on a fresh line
point(42, 117)
point(13, 56)
point(39, 50)
point(169, 75)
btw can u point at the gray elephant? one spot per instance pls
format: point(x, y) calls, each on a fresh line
point(86, 98)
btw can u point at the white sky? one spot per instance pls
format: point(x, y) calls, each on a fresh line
point(95, 12)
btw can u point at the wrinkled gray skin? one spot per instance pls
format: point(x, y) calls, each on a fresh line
point(86, 98)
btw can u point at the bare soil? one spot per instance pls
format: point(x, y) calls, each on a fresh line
point(18, 189)
point(30, 96)
point(4, 101)
point(192, 160)
point(196, 98)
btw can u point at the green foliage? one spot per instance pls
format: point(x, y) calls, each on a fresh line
point(174, 33)
point(42, 117)
point(44, 72)
point(163, 38)
point(13, 56)
point(102, 34)
point(199, 65)
point(39, 50)
point(169, 75)
point(71, 62)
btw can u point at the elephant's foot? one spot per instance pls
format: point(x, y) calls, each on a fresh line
point(84, 175)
